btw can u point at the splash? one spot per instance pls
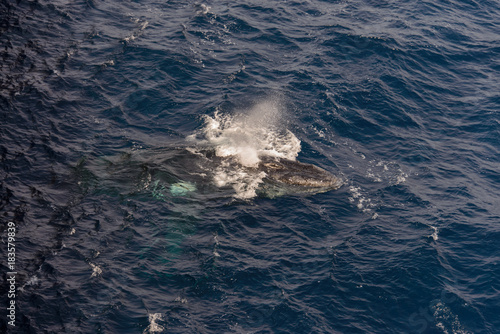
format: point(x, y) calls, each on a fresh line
point(96, 270)
point(153, 326)
point(242, 140)
point(247, 136)
point(447, 321)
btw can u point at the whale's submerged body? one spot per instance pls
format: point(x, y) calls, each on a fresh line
point(182, 172)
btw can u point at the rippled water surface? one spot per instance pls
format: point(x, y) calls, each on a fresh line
point(142, 146)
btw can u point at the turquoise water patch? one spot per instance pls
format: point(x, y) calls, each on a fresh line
point(182, 188)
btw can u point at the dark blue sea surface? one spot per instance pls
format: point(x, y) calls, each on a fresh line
point(128, 132)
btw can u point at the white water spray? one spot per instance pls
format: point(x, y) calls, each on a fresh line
point(243, 139)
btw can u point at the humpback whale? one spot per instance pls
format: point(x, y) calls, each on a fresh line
point(184, 172)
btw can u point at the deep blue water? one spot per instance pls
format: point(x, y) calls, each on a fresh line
point(399, 99)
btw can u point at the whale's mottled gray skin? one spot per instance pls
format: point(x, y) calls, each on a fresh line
point(288, 176)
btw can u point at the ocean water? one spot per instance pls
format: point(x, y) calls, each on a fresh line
point(129, 136)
